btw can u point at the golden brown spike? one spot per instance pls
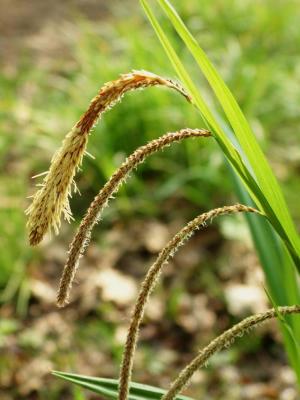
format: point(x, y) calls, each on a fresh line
point(94, 212)
point(220, 343)
point(150, 281)
point(51, 200)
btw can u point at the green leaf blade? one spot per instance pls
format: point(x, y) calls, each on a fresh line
point(262, 170)
point(225, 144)
point(109, 387)
point(255, 172)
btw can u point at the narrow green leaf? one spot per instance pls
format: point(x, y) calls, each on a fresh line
point(109, 387)
point(227, 147)
point(262, 186)
point(279, 272)
point(230, 151)
point(276, 206)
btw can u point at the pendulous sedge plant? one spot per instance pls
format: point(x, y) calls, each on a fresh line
point(52, 200)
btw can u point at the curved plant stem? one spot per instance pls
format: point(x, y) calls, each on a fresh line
point(222, 341)
point(94, 212)
point(52, 199)
point(150, 281)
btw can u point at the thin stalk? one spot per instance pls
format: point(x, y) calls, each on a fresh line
point(151, 280)
point(96, 208)
point(52, 199)
point(224, 340)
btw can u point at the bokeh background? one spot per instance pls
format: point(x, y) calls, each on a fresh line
point(54, 58)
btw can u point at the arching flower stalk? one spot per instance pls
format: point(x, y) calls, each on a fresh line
point(150, 282)
point(52, 199)
point(96, 208)
point(224, 340)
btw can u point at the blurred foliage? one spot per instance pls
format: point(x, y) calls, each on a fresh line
point(255, 46)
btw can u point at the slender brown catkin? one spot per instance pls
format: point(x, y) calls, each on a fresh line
point(150, 281)
point(222, 341)
point(52, 199)
point(94, 212)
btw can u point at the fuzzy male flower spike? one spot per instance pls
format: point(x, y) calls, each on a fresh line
point(222, 341)
point(94, 212)
point(52, 199)
point(151, 279)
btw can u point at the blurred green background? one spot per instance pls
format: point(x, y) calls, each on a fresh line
point(54, 59)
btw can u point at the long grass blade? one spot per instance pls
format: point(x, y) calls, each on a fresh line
point(212, 123)
point(279, 272)
point(251, 149)
point(108, 388)
point(250, 166)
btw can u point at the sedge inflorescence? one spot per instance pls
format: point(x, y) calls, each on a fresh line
point(226, 339)
point(93, 214)
point(52, 200)
point(152, 277)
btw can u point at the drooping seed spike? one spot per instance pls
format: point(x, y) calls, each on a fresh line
point(52, 199)
point(224, 340)
point(151, 279)
point(96, 208)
